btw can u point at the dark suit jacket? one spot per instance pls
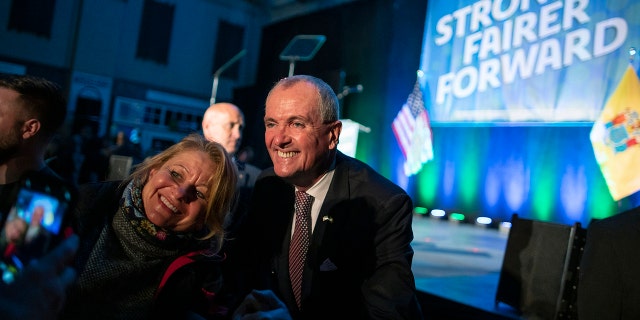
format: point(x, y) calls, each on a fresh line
point(609, 285)
point(359, 262)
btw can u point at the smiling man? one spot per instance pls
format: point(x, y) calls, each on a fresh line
point(356, 250)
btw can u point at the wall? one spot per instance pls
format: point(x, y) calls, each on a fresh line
point(105, 40)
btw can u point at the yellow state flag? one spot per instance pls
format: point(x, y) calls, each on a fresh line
point(615, 137)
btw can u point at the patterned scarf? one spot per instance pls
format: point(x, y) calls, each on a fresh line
point(132, 253)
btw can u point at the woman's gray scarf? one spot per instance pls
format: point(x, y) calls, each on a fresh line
point(130, 256)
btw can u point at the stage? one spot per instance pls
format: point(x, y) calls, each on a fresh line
point(457, 267)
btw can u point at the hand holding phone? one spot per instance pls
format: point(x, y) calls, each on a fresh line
point(41, 290)
point(36, 222)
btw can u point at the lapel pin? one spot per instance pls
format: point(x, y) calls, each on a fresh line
point(327, 218)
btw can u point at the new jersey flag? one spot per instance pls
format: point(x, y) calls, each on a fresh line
point(615, 137)
point(413, 132)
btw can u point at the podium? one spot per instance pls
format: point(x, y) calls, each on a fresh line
point(349, 136)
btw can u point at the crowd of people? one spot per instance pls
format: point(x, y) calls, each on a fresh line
point(195, 232)
point(80, 155)
point(174, 239)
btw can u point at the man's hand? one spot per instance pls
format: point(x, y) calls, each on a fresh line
point(261, 305)
point(39, 291)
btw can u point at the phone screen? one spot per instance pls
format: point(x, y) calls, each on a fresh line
point(34, 223)
point(39, 210)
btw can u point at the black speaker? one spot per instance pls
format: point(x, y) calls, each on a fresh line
point(539, 275)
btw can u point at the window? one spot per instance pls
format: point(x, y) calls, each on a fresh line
point(230, 41)
point(155, 31)
point(32, 16)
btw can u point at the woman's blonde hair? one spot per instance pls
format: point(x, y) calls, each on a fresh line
point(222, 185)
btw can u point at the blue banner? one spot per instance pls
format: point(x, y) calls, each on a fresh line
point(530, 61)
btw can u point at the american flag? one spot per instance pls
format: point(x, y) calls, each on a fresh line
point(413, 132)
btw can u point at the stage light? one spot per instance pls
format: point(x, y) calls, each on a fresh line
point(456, 217)
point(437, 213)
point(504, 227)
point(483, 221)
point(421, 211)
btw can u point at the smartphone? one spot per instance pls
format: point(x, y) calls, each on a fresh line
point(37, 220)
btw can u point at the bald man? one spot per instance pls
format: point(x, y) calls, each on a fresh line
point(223, 123)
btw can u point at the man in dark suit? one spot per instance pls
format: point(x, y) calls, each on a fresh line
point(609, 284)
point(358, 260)
point(223, 122)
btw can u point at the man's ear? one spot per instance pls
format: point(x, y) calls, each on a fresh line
point(30, 128)
point(334, 133)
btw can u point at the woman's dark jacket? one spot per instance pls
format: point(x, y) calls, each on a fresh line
point(190, 278)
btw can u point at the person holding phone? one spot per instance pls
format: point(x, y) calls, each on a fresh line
point(33, 109)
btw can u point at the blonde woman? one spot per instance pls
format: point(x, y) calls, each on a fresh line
point(148, 244)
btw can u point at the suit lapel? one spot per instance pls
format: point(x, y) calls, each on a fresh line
point(329, 220)
point(285, 211)
point(338, 192)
